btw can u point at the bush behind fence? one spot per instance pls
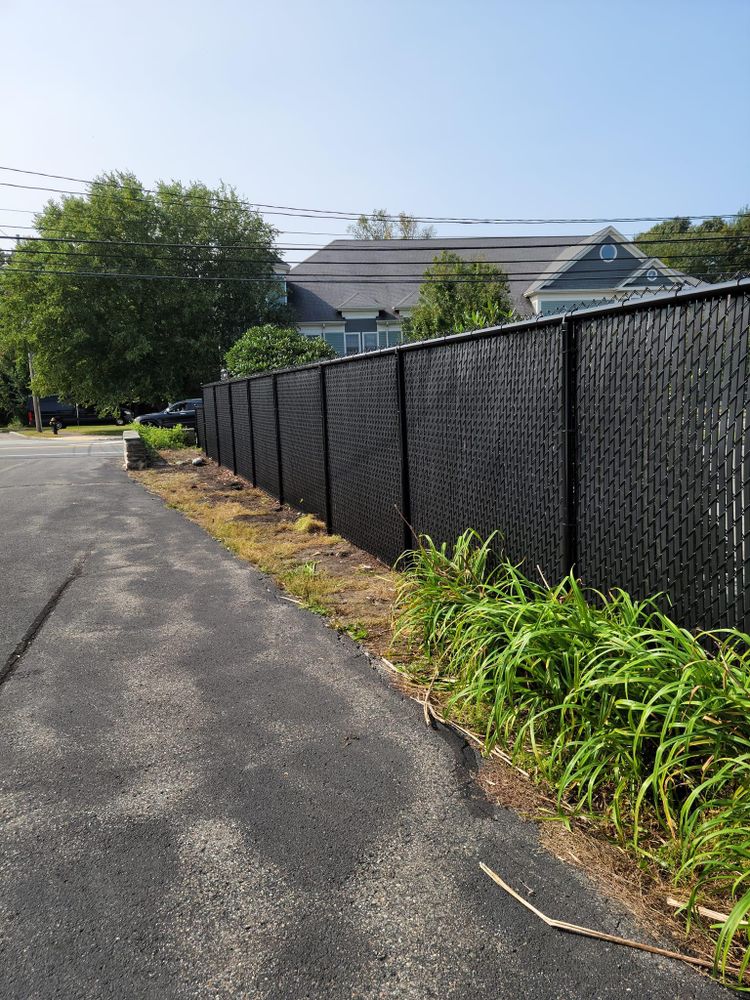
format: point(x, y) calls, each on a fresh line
point(614, 439)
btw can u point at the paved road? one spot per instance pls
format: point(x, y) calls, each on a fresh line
point(206, 793)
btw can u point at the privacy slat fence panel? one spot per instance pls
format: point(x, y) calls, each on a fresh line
point(364, 456)
point(664, 456)
point(200, 427)
point(224, 426)
point(209, 411)
point(243, 441)
point(615, 441)
point(482, 448)
point(301, 430)
point(264, 435)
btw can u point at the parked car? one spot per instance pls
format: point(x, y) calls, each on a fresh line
point(68, 414)
point(182, 412)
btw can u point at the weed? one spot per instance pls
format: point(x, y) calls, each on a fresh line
point(356, 631)
point(308, 524)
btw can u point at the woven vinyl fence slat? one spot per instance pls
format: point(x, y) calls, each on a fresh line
point(200, 427)
point(242, 432)
point(264, 435)
point(364, 454)
point(223, 423)
point(212, 437)
point(301, 427)
point(483, 445)
point(665, 457)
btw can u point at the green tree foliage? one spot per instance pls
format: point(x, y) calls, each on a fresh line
point(379, 225)
point(268, 347)
point(458, 295)
point(103, 340)
point(695, 249)
point(14, 386)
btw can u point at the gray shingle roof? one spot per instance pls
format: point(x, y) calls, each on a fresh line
point(337, 276)
point(346, 261)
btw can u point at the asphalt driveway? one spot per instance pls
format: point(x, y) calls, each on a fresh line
point(206, 793)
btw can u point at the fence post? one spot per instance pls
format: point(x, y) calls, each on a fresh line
point(569, 444)
point(231, 428)
point(278, 436)
point(326, 466)
point(404, 451)
point(216, 424)
point(252, 439)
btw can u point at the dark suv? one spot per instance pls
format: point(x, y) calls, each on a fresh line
point(182, 412)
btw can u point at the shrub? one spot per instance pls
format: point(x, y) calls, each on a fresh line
point(263, 348)
point(160, 438)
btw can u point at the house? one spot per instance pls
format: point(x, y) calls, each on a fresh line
point(356, 293)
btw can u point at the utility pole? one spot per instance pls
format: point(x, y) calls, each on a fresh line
point(34, 397)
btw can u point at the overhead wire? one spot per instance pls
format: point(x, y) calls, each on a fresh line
point(615, 270)
point(341, 214)
point(272, 279)
point(357, 246)
point(363, 246)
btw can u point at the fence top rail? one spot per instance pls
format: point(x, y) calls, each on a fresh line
point(734, 287)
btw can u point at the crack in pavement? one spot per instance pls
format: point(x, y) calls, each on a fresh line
point(33, 630)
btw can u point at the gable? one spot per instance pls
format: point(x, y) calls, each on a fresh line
point(597, 268)
point(654, 274)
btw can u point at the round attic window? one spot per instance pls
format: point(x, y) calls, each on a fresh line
point(651, 274)
point(608, 251)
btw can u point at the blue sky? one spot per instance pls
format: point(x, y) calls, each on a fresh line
point(507, 109)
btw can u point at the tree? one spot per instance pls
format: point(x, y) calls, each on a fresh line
point(713, 250)
point(96, 298)
point(14, 386)
point(268, 347)
point(458, 295)
point(379, 225)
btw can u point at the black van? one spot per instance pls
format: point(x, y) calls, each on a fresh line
point(68, 414)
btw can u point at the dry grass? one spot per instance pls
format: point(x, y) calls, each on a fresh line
point(325, 573)
point(357, 593)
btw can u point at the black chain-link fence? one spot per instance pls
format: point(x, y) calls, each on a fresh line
point(614, 440)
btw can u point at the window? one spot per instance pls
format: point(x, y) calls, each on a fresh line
point(652, 274)
point(370, 341)
point(389, 335)
point(608, 252)
point(336, 339)
point(352, 343)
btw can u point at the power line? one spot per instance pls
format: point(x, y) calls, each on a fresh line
point(344, 215)
point(366, 280)
point(614, 268)
point(285, 232)
point(363, 246)
point(143, 277)
point(319, 232)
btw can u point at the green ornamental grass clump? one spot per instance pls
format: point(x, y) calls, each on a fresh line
point(630, 717)
point(162, 438)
